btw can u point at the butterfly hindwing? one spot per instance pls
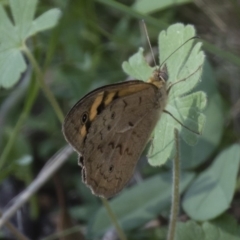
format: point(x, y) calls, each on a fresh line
point(114, 144)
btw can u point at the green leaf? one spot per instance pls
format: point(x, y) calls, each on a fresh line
point(47, 20)
point(8, 36)
point(228, 224)
point(146, 6)
point(213, 128)
point(189, 231)
point(185, 63)
point(12, 65)
point(82, 212)
point(137, 66)
point(207, 231)
point(13, 36)
point(23, 13)
point(139, 204)
point(212, 192)
point(25, 160)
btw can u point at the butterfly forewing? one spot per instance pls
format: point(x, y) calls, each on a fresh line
point(74, 129)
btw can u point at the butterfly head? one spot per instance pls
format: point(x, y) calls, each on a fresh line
point(159, 77)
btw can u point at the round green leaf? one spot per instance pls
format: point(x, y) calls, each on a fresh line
point(212, 192)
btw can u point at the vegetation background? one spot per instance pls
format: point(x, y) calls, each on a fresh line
point(83, 51)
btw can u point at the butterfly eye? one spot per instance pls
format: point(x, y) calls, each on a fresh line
point(163, 75)
point(84, 117)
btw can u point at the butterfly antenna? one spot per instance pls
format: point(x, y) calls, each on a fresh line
point(178, 49)
point(149, 43)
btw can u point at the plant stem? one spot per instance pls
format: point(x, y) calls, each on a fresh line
point(43, 85)
point(15, 232)
point(12, 139)
point(113, 218)
point(33, 90)
point(175, 190)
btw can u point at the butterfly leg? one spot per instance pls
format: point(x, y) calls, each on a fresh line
point(180, 122)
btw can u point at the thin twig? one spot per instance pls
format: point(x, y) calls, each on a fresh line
point(175, 190)
point(18, 125)
point(15, 232)
point(49, 95)
point(53, 164)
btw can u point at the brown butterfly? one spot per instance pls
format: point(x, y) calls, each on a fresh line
point(109, 128)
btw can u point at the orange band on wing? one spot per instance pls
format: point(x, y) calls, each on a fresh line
point(108, 99)
point(132, 89)
point(96, 103)
point(83, 131)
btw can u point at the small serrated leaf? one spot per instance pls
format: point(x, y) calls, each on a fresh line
point(23, 13)
point(137, 66)
point(213, 128)
point(8, 37)
point(184, 62)
point(14, 35)
point(47, 20)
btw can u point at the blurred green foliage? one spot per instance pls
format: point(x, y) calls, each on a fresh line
point(83, 51)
